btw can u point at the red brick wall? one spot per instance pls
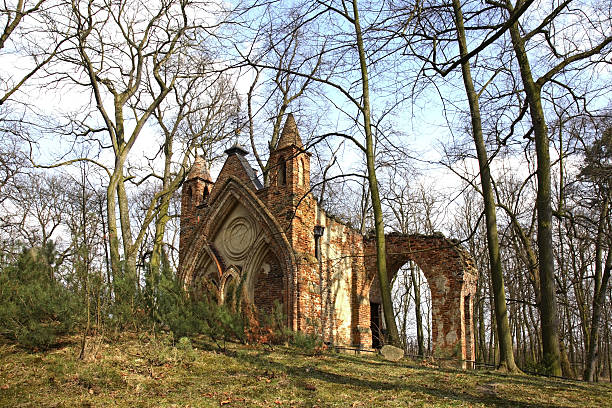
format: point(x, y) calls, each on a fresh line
point(192, 203)
point(269, 287)
point(232, 167)
point(332, 295)
point(451, 276)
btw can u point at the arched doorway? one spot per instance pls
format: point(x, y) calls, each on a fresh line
point(451, 277)
point(412, 307)
point(412, 304)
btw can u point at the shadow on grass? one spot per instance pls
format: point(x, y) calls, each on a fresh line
point(369, 360)
point(309, 373)
point(531, 380)
point(518, 379)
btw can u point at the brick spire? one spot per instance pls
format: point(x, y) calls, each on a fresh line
point(290, 135)
point(199, 170)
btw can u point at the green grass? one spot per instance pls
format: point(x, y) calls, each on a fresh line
point(134, 372)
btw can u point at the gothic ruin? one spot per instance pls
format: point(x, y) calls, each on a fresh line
point(285, 248)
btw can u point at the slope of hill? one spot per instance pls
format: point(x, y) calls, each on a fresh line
point(152, 373)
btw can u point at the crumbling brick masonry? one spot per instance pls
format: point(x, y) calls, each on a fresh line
point(286, 249)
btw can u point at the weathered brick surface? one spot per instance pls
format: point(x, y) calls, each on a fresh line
point(451, 275)
point(195, 195)
point(265, 237)
point(269, 287)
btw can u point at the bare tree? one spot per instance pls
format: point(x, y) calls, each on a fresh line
point(592, 49)
point(597, 173)
point(286, 51)
point(130, 57)
point(200, 116)
point(27, 38)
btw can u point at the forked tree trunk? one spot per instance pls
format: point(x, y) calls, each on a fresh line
point(504, 333)
point(548, 302)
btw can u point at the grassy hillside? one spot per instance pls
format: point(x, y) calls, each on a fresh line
point(147, 372)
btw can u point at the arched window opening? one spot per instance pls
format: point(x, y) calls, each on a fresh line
point(205, 193)
point(188, 194)
point(301, 172)
point(229, 291)
point(268, 286)
point(282, 172)
point(412, 293)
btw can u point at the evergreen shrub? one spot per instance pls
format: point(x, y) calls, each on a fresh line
point(35, 307)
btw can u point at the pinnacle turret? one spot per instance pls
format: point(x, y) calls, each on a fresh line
point(199, 170)
point(290, 135)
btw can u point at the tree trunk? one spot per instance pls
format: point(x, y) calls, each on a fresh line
point(109, 280)
point(417, 310)
point(504, 334)
point(113, 236)
point(592, 358)
point(566, 367)
point(129, 249)
point(492, 334)
point(548, 303)
point(609, 351)
point(379, 226)
point(160, 229)
point(84, 255)
point(162, 216)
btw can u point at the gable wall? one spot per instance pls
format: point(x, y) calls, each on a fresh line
point(331, 296)
point(232, 167)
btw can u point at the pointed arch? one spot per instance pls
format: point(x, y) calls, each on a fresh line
point(206, 259)
point(231, 194)
point(258, 252)
point(231, 276)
